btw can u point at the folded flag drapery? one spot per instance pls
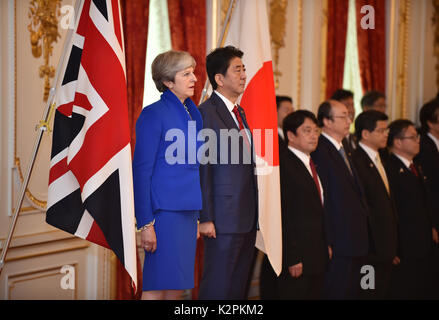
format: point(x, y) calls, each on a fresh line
point(90, 181)
point(249, 31)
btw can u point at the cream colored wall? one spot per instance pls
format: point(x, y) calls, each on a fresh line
point(38, 251)
point(300, 59)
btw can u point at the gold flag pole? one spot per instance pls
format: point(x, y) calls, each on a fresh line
point(220, 43)
point(42, 126)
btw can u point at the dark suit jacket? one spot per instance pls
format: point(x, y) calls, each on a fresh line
point(382, 210)
point(229, 190)
point(428, 158)
point(303, 231)
point(414, 223)
point(283, 145)
point(350, 143)
point(345, 206)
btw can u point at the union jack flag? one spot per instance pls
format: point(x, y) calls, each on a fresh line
point(90, 181)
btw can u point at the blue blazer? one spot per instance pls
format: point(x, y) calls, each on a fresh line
point(345, 206)
point(166, 173)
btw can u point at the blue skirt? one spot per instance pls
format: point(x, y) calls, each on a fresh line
point(171, 266)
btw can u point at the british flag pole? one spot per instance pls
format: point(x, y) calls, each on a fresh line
point(43, 126)
point(90, 193)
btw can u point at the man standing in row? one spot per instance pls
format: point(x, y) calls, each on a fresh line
point(428, 158)
point(371, 132)
point(412, 275)
point(284, 106)
point(230, 197)
point(347, 98)
point(345, 206)
point(305, 249)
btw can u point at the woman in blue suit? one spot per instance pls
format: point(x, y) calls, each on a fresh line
point(167, 189)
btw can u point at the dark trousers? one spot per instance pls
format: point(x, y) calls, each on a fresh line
point(411, 279)
point(382, 273)
point(267, 281)
point(227, 266)
point(435, 274)
point(342, 280)
point(305, 287)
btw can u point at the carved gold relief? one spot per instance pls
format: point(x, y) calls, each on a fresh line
point(402, 57)
point(43, 30)
point(39, 203)
point(299, 54)
point(324, 39)
point(436, 37)
point(277, 33)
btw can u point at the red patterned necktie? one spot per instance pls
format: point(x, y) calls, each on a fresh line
point(238, 117)
point(315, 177)
point(241, 126)
point(413, 169)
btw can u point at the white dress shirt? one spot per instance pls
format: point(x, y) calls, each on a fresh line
point(370, 152)
point(406, 162)
point(281, 133)
point(230, 106)
point(375, 157)
point(305, 159)
point(337, 145)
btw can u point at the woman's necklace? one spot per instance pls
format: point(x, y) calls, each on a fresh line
point(187, 110)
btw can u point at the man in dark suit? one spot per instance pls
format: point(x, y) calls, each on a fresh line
point(412, 275)
point(267, 279)
point(371, 131)
point(305, 249)
point(376, 100)
point(347, 98)
point(345, 206)
point(230, 199)
point(284, 106)
point(428, 158)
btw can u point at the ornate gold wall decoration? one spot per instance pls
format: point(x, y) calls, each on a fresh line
point(402, 57)
point(277, 33)
point(324, 44)
point(35, 201)
point(299, 54)
point(436, 37)
point(43, 30)
point(40, 203)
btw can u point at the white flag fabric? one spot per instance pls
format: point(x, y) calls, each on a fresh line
point(249, 31)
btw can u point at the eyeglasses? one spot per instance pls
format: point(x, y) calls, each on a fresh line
point(382, 131)
point(414, 138)
point(309, 131)
point(345, 118)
